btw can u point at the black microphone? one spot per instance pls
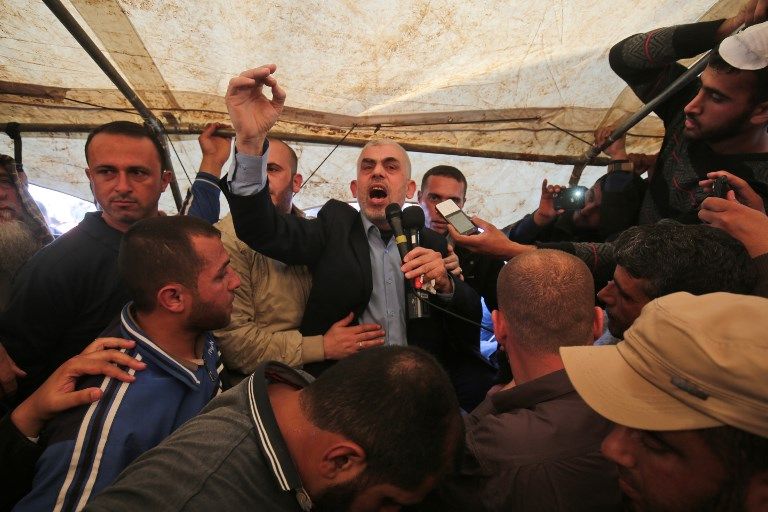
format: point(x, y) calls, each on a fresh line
point(416, 298)
point(413, 223)
point(395, 218)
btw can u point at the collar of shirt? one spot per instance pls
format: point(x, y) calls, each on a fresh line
point(546, 388)
point(271, 440)
point(98, 229)
point(131, 330)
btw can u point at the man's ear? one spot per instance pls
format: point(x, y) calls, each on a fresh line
point(172, 297)
point(597, 323)
point(298, 179)
point(757, 493)
point(500, 329)
point(760, 114)
point(343, 461)
point(165, 177)
point(410, 189)
point(419, 195)
point(353, 188)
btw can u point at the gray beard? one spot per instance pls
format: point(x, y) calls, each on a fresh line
point(17, 245)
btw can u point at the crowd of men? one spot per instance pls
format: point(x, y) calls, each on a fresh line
point(271, 361)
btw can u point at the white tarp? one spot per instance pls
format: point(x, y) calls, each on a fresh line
point(483, 79)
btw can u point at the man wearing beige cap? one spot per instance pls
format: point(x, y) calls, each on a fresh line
point(688, 394)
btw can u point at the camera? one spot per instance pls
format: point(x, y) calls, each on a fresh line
point(571, 198)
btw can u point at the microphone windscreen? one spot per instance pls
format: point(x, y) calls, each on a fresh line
point(413, 218)
point(393, 210)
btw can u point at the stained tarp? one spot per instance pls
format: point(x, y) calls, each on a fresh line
point(492, 81)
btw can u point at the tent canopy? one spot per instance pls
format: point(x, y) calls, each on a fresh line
point(491, 81)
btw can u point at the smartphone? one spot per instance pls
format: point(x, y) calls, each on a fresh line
point(456, 217)
point(571, 198)
point(720, 187)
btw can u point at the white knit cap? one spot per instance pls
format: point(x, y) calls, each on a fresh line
point(747, 49)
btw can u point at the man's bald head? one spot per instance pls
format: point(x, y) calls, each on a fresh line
point(388, 142)
point(547, 299)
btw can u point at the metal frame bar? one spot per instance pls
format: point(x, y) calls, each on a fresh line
point(74, 28)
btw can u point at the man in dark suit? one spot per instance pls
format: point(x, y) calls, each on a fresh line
point(355, 265)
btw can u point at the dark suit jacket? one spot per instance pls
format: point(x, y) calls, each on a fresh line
point(335, 248)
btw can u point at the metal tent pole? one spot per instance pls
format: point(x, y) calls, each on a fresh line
point(71, 24)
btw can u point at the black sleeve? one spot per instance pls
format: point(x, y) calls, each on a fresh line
point(18, 455)
point(287, 238)
point(648, 62)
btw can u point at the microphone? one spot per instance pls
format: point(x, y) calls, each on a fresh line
point(413, 223)
point(415, 298)
point(395, 218)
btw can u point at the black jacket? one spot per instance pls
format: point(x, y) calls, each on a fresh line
point(335, 249)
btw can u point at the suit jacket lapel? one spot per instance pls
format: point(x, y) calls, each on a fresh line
point(359, 243)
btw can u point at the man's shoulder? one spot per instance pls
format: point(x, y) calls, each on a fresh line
point(563, 426)
point(337, 208)
point(91, 237)
point(212, 461)
point(78, 252)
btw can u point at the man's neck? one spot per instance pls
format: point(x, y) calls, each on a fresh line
point(165, 332)
point(297, 431)
point(753, 141)
point(383, 225)
point(526, 368)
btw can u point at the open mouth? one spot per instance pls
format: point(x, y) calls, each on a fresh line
point(377, 193)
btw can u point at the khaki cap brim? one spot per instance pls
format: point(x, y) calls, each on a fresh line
point(610, 386)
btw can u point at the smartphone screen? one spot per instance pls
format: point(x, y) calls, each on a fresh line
point(456, 217)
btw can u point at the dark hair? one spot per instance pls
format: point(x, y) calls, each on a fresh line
point(547, 297)
point(128, 129)
point(446, 171)
point(294, 158)
point(719, 64)
point(674, 257)
point(158, 251)
point(398, 405)
point(743, 455)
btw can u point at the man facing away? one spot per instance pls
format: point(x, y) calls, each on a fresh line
point(374, 432)
point(270, 301)
point(178, 274)
point(686, 390)
point(535, 444)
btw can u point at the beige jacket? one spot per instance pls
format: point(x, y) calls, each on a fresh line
point(267, 310)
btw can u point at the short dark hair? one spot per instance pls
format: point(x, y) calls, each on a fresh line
point(446, 171)
point(547, 297)
point(294, 158)
point(128, 129)
point(158, 251)
point(398, 405)
point(743, 455)
point(719, 64)
point(674, 257)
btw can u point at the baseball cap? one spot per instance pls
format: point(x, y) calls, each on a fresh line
point(688, 362)
point(748, 49)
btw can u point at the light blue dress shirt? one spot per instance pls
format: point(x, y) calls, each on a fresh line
point(387, 304)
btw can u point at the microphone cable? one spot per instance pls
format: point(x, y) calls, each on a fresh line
point(456, 315)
